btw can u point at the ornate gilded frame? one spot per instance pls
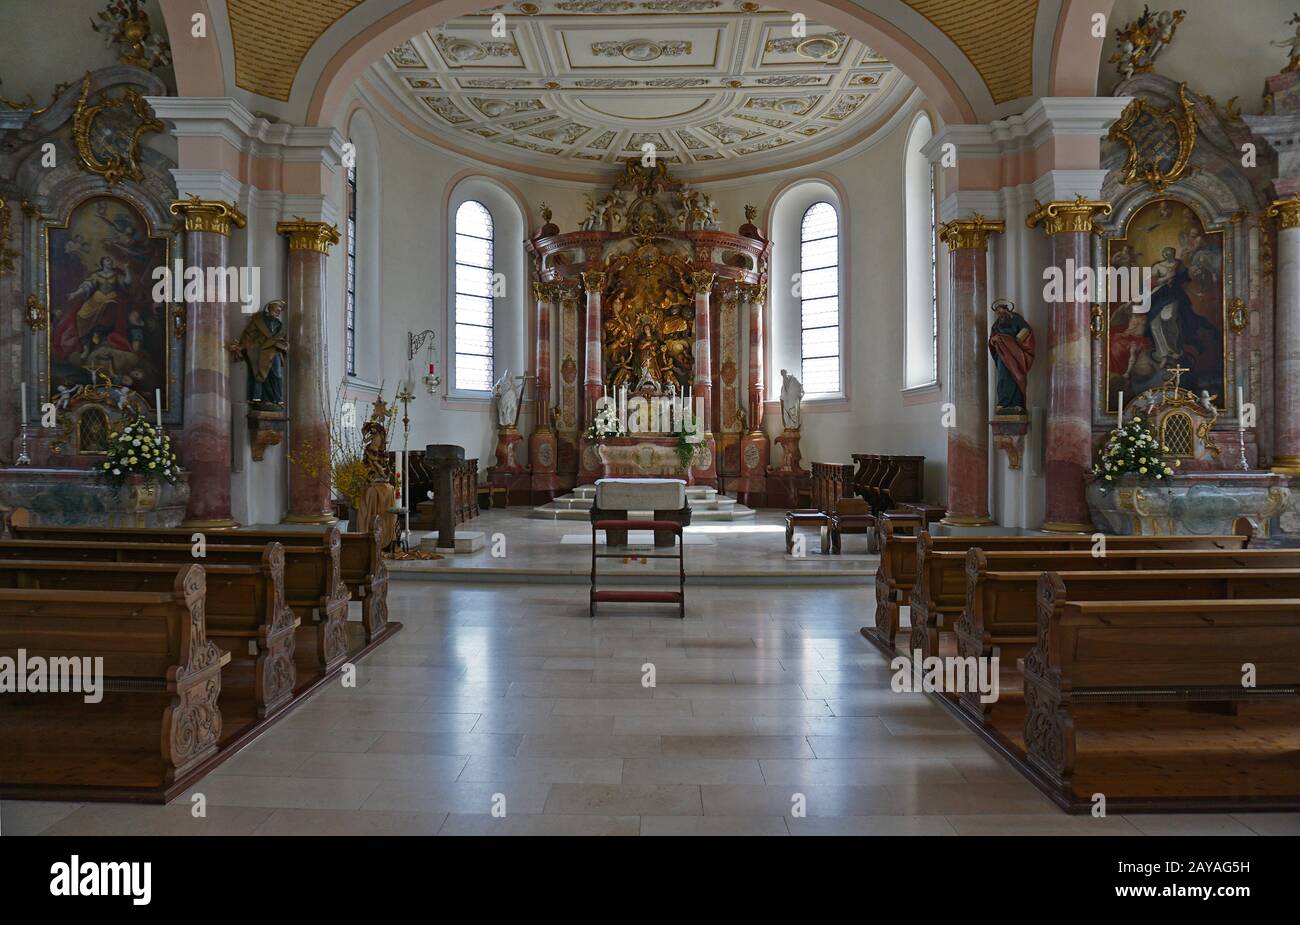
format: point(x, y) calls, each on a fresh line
point(117, 166)
point(1180, 116)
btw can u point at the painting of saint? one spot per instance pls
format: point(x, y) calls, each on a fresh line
point(103, 317)
point(1180, 321)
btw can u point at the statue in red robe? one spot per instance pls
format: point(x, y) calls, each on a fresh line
point(1011, 344)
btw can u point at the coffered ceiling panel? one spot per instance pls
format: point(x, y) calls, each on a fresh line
point(712, 84)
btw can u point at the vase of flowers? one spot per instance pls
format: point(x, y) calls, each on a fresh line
point(605, 424)
point(139, 449)
point(690, 441)
point(1131, 450)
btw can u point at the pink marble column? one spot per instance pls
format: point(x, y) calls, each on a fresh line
point(702, 386)
point(968, 370)
point(1068, 436)
point(593, 382)
point(309, 473)
point(757, 389)
point(205, 441)
point(1286, 338)
point(542, 444)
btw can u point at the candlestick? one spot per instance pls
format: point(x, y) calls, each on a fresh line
point(23, 459)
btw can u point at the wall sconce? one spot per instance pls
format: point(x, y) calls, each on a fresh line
point(414, 342)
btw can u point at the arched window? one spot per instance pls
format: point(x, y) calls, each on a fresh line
point(473, 294)
point(350, 299)
point(819, 299)
point(921, 328)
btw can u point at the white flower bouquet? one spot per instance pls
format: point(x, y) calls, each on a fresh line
point(139, 449)
point(604, 424)
point(1131, 448)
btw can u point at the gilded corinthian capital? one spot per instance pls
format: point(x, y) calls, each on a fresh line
point(208, 215)
point(309, 236)
point(1286, 211)
point(702, 281)
point(593, 281)
point(972, 233)
point(1064, 216)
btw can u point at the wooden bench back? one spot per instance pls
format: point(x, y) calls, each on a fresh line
point(148, 636)
point(311, 572)
point(1110, 646)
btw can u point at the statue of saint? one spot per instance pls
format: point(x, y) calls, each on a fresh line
point(506, 391)
point(263, 346)
point(374, 433)
point(1011, 344)
point(791, 396)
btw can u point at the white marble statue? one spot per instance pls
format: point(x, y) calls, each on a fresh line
point(506, 391)
point(791, 395)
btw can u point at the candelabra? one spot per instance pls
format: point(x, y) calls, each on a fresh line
point(406, 396)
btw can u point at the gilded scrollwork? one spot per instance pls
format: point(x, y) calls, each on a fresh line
point(122, 160)
point(1159, 140)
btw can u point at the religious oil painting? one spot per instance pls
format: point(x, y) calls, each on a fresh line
point(1179, 327)
point(103, 319)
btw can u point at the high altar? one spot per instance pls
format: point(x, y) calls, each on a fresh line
point(648, 295)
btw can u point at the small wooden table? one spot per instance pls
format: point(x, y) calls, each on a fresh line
point(807, 517)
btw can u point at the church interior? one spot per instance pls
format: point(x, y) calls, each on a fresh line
point(649, 417)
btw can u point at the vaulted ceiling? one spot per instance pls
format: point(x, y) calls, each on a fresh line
point(708, 83)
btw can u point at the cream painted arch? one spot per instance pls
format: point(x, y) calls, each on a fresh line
point(919, 48)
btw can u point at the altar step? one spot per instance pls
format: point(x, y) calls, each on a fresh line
point(706, 506)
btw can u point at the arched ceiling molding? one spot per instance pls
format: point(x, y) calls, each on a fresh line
point(197, 62)
point(1076, 53)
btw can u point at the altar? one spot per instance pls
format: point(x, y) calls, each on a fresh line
point(82, 498)
point(649, 298)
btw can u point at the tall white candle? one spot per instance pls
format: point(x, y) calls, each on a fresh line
point(1241, 409)
point(157, 403)
point(1121, 409)
point(22, 391)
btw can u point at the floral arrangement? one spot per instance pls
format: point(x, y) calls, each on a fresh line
point(1131, 448)
point(139, 449)
point(605, 423)
point(689, 440)
point(344, 456)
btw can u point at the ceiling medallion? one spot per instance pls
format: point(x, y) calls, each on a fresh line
point(642, 50)
point(819, 48)
point(465, 50)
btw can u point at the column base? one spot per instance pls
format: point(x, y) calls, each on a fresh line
point(219, 523)
point(309, 519)
point(968, 520)
point(1286, 464)
point(1066, 526)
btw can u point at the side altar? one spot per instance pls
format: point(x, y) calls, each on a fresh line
point(649, 291)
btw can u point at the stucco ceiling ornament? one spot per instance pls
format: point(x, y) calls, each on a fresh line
point(126, 25)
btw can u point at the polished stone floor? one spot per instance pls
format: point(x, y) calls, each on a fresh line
point(769, 715)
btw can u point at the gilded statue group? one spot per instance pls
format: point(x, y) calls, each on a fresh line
point(648, 334)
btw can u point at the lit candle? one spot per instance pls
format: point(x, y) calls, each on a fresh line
point(157, 403)
point(22, 391)
point(1121, 409)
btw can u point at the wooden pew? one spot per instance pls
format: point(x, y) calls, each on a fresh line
point(939, 589)
point(160, 720)
point(1124, 651)
point(1001, 604)
point(313, 585)
point(244, 608)
point(361, 556)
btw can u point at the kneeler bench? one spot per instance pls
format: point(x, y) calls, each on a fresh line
point(807, 517)
point(617, 499)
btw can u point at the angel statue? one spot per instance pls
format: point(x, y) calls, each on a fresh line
point(1292, 45)
point(791, 396)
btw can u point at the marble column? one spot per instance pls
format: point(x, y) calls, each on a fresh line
point(205, 440)
point(1068, 436)
point(1286, 337)
point(309, 471)
point(968, 369)
point(542, 444)
point(757, 389)
point(702, 386)
point(593, 282)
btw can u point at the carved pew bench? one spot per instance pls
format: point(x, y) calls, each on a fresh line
point(244, 610)
point(313, 586)
point(361, 558)
point(1001, 611)
point(159, 720)
point(1147, 651)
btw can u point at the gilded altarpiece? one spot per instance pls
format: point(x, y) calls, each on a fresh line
point(652, 237)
